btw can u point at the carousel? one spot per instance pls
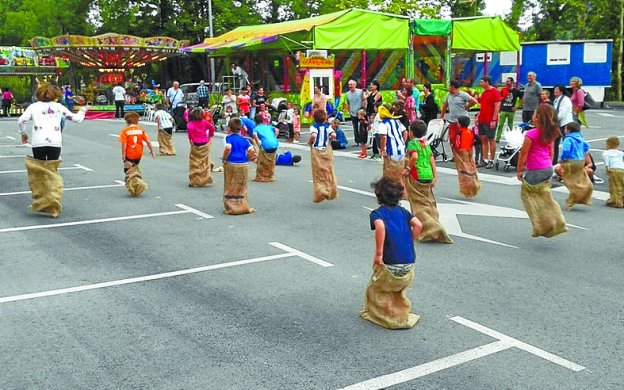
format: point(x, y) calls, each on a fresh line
point(116, 58)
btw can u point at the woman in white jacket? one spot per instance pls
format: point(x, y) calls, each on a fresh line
point(46, 139)
point(563, 106)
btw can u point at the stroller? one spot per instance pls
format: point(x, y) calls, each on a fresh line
point(178, 117)
point(510, 152)
point(277, 107)
point(437, 135)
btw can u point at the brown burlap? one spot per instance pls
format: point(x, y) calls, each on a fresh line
point(235, 189)
point(469, 183)
point(323, 175)
point(165, 144)
point(394, 170)
point(424, 207)
point(578, 183)
point(385, 302)
point(545, 214)
point(134, 181)
point(199, 166)
point(265, 170)
point(616, 188)
point(46, 185)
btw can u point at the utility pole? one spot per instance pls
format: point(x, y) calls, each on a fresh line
point(620, 55)
point(213, 82)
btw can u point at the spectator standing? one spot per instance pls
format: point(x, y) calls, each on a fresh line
point(229, 100)
point(244, 103)
point(457, 102)
point(257, 99)
point(7, 99)
point(490, 106)
point(174, 96)
point(203, 95)
point(319, 101)
point(372, 97)
point(563, 106)
point(243, 77)
point(578, 101)
point(69, 98)
point(510, 95)
point(531, 98)
point(430, 107)
point(119, 94)
point(410, 105)
point(355, 102)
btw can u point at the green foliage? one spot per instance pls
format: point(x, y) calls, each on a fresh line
point(20, 87)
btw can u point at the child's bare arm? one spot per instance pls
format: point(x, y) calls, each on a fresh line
point(312, 139)
point(434, 168)
point(416, 226)
point(380, 238)
point(226, 153)
point(123, 152)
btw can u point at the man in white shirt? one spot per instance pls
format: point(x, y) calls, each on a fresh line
point(119, 93)
point(174, 96)
point(563, 106)
point(243, 77)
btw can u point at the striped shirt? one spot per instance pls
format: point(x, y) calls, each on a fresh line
point(322, 131)
point(395, 144)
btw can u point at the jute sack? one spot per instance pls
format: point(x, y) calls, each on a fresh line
point(265, 170)
point(469, 184)
point(46, 185)
point(323, 176)
point(616, 188)
point(424, 207)
point(385, 302)
point(545, 214)
point(577, 180)
point(394, 170)
point(199, 166)
point(134, 181)
point(165, 144)
point(235, 189)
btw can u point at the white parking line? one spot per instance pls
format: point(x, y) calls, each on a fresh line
point(602, 139)
point(504, 342)
point(15, 146)
point(76, 166)
point(11, 138)
point(605, 114)
point(19, 156)
point(186, 210)
point(119, 184)
point(290, 253)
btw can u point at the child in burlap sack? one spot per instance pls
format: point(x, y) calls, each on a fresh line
point(396, 229)
point(236, 154)
point(131, 138)
point(614, 162)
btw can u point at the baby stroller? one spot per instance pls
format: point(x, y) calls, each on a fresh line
point(178, 117)
point(510, 151)
point(437, 135)
point(216, 111)
point(276, 108)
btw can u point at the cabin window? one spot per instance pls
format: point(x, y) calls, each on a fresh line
point(595, 52)
point(481, 57)
point(509, 58)
point(558, 54)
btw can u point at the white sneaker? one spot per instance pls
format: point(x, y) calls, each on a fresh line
point(598, 180)
point(295, 142)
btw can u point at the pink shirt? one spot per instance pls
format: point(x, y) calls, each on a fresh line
point(200, 131)
point(297, 123)
point(539, 154)
point(410, 108)
point(578, 98)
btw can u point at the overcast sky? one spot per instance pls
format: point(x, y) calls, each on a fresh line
point(497, 7)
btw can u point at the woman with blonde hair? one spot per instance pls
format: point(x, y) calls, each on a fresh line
point(46, 140)
point(578, 101)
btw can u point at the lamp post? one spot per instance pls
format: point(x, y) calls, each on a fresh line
point(212, 62)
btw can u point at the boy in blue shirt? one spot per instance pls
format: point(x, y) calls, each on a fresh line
point(324, 183)
point(396, 229)
point(266, 139)
point(236, 154)
point(575, 166)
point(341, 141)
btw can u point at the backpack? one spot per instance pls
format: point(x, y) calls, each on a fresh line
point(589, 101)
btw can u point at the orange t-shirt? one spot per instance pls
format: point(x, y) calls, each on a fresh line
point(133, 136)
point(466, 139)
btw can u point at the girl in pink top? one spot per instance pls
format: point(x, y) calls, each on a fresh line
point(244, 103)
point(296, 119)
point(537, 149)
point(266, 116)
point(199, 130)
point(410, 105)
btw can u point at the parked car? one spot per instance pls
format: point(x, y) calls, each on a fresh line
point(190, 92)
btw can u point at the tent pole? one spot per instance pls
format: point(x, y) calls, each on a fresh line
point(364, 69)
point(447, 60)
point(518, 69)
point(286, 61)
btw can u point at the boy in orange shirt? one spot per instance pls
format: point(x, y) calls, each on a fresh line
point(131, 138)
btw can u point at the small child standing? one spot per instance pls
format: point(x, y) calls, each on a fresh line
point(290, 113)
point(324, 182)
point(199, 132)
point(296, 124)
point(614, 162)
point(375, 121)
point(361, 134)
point(131, 139)
point(266, 116)
point(237, 152)
point(164, 122)
point(396, 229)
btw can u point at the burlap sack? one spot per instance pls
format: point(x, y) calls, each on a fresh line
point(545, 214)
point(235, 189)
point(265, 171)
point(616, 188)
point(199, 166)
point(424, 207)
point(46, 185)
point(577, 180)
point(134, 181)
point(469, 184)
point(323, 176)
point(385, 302)
point(165, 144)
point(394, 170)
